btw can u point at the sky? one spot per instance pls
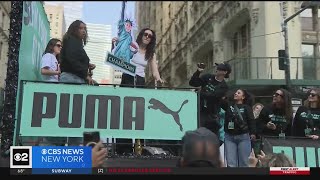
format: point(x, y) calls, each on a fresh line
point(105, 12)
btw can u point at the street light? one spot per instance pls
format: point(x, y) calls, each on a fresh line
point(305, 5)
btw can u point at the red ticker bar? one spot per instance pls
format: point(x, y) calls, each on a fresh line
point(289, 170)
point(182, 170)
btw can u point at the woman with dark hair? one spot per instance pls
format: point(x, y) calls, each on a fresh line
point(50, 70)
point(239, 129)
point(145, 56)
point(75, 64)
point(74, 60)
point(275, 119)
point(306, 122)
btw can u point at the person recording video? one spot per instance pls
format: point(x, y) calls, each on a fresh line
point(99, 155)
point(213, 89)
point(99, 152)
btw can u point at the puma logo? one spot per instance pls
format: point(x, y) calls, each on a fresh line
point(156, 104)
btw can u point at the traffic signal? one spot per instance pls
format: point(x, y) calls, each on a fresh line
point(282, 59)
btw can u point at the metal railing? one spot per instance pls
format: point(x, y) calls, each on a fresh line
point(255, 68)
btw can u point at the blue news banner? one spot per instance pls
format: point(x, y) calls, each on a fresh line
point(52, 159)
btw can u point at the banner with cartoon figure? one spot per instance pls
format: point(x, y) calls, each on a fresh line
point(124, 48)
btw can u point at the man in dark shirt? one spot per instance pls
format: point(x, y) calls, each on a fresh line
point(213, 89)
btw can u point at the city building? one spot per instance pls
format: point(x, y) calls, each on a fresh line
point(73, 10)
point(57, 21)
point(247, 34)
point(5, 8)
point(99, 43)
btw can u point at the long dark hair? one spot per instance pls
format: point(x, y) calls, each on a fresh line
point(287, 104)
point(50, 47)
point(73, 30)
point(150, 49)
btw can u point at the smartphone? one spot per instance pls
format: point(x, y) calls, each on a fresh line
point(257, 146)
point(91, 138)
point(201, 65)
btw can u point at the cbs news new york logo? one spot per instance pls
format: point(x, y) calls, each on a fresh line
point(21, 157)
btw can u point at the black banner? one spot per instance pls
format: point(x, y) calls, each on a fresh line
point(303, 151)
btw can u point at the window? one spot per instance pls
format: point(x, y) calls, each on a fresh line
point(308, 61)
point(235, 43)
point(307, 50)
point(57, 24)
point(306, 13)
point(240, 41)
point(50, 16)
point(244, 36)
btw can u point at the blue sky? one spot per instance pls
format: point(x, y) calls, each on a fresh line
point(105, 12)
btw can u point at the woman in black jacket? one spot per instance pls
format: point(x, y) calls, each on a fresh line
point(74, 59)
point(74, 63)
point(240, 128)
point(306, 122)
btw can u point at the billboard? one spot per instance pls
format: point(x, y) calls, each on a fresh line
point(304, 151)
point(34, 38)
point(35, 35)
point(67, 110)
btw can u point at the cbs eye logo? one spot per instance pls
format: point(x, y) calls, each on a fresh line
point(20, 156)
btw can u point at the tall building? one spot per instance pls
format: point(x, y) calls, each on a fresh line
point(99, 43)
point(57, 21)
point(5, 8)
point(247, 34)
point(72, 10)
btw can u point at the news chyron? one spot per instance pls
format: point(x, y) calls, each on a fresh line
point(52, 159)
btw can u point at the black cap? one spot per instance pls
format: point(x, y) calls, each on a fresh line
point(211, 142)
point(224, 67)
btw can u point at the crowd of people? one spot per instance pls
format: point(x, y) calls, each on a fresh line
point(229, 121)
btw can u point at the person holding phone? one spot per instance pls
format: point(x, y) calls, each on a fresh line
point(275, 119)
point(99, 152)
point(213, 89)
point(99, 155)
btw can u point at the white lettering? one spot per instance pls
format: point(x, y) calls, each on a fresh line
point(50, 159)
point(72, 158)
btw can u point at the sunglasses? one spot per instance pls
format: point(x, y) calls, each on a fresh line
point(312, 94)
point(59, 45)
point(148, 35)
point(277, 94)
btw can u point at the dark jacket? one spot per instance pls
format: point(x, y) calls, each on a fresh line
point(241, 126)
point(276, 116)
point(74, 58)
point(303, 120)
point(211, 92)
